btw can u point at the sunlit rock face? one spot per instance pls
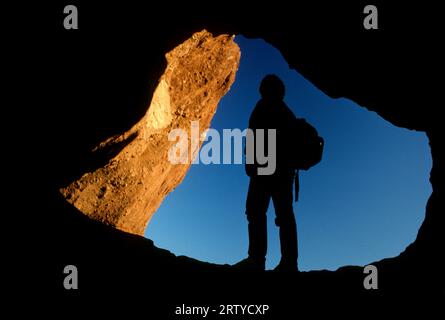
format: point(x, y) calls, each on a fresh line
point(137, 174)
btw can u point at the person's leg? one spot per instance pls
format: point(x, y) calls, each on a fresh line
point(258, 199)
point(285, 220)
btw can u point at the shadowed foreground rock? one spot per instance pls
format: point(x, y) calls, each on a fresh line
point(106, 92)
point(137, 174)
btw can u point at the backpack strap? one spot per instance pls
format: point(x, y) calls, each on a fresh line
point(297, 184)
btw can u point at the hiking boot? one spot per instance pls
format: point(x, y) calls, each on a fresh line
point(251, 264)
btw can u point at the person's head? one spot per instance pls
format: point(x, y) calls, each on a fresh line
point(272, 87)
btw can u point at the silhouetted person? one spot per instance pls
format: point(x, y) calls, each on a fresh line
point(272, 113)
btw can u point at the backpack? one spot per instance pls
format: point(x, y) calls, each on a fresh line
point(308, 148)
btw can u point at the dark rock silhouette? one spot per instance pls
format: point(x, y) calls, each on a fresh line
point(104, 92)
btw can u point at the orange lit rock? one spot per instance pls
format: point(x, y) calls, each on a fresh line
point(137, 175)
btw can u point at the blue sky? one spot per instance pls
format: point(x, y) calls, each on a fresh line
point(365, 201)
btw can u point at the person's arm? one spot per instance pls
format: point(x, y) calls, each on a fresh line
point(250, 169)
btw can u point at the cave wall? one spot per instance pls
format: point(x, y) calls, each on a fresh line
point(388, 71)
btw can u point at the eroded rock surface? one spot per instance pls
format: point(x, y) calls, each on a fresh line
point(138, 175)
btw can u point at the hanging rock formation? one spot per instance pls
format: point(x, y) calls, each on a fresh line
point(137, 174)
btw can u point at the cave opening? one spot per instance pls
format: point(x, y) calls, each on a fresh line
point(364, 202)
